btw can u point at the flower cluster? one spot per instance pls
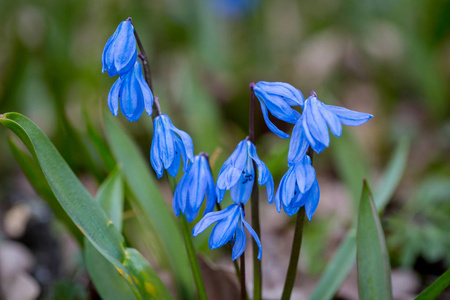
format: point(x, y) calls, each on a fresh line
point(298, 187)
point(120, 58)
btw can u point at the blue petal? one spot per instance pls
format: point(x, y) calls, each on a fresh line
point(179, 149)
point(125, 51)
point(255, 236)
point(291, 95)
point(305, 174)
point(313, 200)
point(280, 193)
point(298, 144)
point(349, 117)
point(315, 145)
point(211, 218)
point(277, 106)
point(155, 153)
point(242, 190)
point(210, 192)
point(113, 97)
point(131, 102)
point(188, 145)
point(232, 169)
point(175, 166)
point(220, 193)
point(240, 242)
point(264, 177)
point(289, 187)
point(108, 54)
point(147, 94)
point(316, 123)
point(291, 210)
point(332, 120)
point(269, 123)
point(166, 142)
point(224, 229)
point(198, 186)
point(177, 202)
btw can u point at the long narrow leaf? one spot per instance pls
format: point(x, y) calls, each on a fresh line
point(342, 262)
point(436, 288)
point(84, 211)
point(374, 271)
point(148, 198)
point(34, 175)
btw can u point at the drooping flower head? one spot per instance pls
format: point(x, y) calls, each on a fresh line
point(134, 95)
point(298, 187)
point(315, 120)
point(229, 228)
point(120, 51)
point(192, 188)
point(169, 145)
point(237, 174)
point(278, 97)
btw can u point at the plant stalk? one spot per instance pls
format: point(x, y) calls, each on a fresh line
point(296, 245)
point(243, 288)
point(193, 258)
point(257, 274)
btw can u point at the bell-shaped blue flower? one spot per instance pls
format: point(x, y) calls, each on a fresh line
point(120, 51)
point(229, 228)
point(317, 117)
point(134, 95)
point(169, 145)
point(298, 187)
point(192, 188)
point(278, 97)
point(238, 175)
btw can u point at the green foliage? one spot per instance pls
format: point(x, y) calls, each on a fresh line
point(342, 262)
point(84, 211)
point(422, 227)
point(146, 196)
point(374, 270)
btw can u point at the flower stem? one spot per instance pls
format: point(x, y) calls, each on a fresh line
point(193, 258)
point(257, 274)
point(295, 253)
point(146, 66)
point(296, 245)
point(243, 288)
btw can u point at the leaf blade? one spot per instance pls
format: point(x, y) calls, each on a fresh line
point(374, 271)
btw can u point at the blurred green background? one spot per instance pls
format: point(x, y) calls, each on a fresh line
point(387, 58)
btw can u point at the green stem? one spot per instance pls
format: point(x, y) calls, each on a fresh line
point(193, 258)
point(295, 253)
point(242, 277)
point(257, 274)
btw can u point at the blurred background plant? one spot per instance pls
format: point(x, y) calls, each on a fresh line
point(387, 58)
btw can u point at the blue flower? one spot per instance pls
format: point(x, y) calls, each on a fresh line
point(278, 97)
point(120, 51)
point(192, 188)
point(229, 228)
point(134, 94)
point(298, 187)
point(317, 117)
point(168, 146)
point(237, 174)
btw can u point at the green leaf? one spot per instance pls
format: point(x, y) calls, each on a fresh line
point(342, 262)
point(102, 272)
point(436, 288)
point(374, 270)
point(84, 211)
point(35, 176)
point(147, 196)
